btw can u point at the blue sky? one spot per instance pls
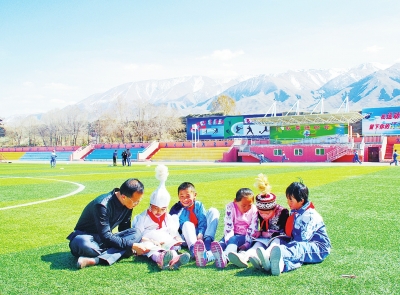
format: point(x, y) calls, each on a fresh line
point(55, 53)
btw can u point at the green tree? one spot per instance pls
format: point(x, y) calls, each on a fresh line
point(224, 104)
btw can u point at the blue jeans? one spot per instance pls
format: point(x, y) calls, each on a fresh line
point(89, 245)
point(238, 240)
point(294, 254)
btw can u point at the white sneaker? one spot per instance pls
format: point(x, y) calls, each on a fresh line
point(276, 260)
point(238, 259)
point(264, 258)
point(256, 262)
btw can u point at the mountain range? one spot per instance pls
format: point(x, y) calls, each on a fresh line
point(368, 85)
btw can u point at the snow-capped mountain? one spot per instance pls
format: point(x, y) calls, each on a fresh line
point(182, 93)
point(368, 85)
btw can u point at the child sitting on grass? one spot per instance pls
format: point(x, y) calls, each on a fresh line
point(240, 226)
point(160, 230)
point(197, 226)
point(272, 219)
point(309, 241)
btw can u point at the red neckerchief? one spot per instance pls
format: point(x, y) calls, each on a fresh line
point(192, 217)
point(267, 223)
point(290, 221)
point(157, 220)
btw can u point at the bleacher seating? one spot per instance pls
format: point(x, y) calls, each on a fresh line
point(104, 154)
point(45, 156)
point(190, 154)
point(12, 155)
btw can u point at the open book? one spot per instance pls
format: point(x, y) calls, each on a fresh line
point(273, 235)
point(164, 246)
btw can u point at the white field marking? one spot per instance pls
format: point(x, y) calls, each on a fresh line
point(80, 188)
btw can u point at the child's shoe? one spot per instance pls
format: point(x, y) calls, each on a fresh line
point(199, 250)
point(164, 259)
point(264, 258)
point(179, 260)
point(255, 262)
point(220, 259)
point(276, 261)
point(238, 259)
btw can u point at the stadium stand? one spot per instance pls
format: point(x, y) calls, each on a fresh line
point(45, 156)
point(105, 154)
point(190, 154)
point(12, 155)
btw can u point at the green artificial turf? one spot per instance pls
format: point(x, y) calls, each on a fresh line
point(359, 204)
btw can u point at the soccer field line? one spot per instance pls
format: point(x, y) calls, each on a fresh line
point(81, 187)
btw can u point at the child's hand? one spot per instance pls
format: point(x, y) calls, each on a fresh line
point(245, 246)
point(266, 234)
point(200, 236)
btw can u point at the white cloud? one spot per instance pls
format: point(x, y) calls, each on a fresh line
point(131, 67)
point(373, 49)
point(29, 84)
point(57, 86)
point(224, 54)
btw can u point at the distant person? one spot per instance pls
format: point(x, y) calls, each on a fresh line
point(124, 157)
point(53, 157)
point(284, 158)
point(115, 157)
point(93, 239)
point(356, 158)
point(128, 157)
point(394, 158)
point(262, 158)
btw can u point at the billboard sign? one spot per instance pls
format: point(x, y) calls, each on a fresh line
point(381, 121)
point(225, 127)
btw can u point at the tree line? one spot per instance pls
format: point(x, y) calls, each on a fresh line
point(123, 122)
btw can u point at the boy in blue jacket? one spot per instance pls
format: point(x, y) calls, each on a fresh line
point(197, 227)
point(308, 239)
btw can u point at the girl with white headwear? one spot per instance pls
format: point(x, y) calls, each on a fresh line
point(160, 229)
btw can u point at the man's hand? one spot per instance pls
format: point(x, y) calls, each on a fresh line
point(200, 236)
point(140, 249)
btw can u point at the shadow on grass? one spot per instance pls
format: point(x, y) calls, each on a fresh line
point(60, 260)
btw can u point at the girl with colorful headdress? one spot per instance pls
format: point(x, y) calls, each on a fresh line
point(272, 219)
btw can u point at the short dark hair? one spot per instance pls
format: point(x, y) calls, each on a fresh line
point(298, 190)
point(186, 185)
point(244, 193)
point(130, 186)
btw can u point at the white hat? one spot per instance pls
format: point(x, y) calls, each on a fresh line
point(161, 197)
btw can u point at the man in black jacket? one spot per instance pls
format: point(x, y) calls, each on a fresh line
point(93, 240)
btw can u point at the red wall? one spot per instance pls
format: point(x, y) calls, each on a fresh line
point(308, 153)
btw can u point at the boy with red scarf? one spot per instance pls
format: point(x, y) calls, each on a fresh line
point(160, 229)
point(196, 226)
point(309, 241)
